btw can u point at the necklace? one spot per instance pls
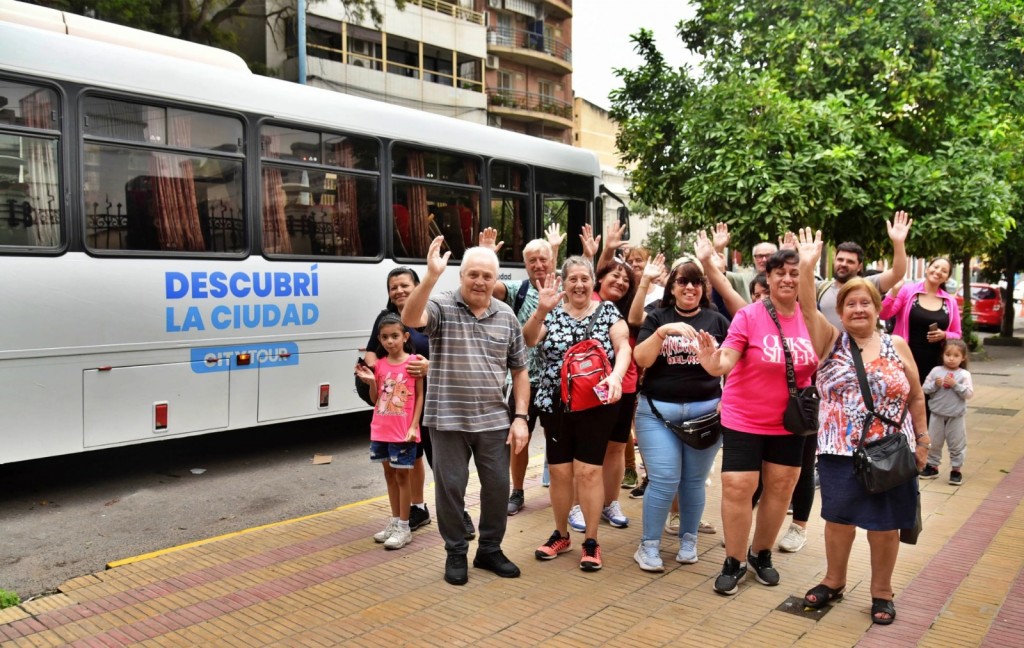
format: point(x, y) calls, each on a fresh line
point(586, 311)
point(688, 313)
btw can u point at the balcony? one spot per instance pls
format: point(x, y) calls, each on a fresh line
point(529, 107)
point(456, 11)
point(530, 48)
point(559, 9)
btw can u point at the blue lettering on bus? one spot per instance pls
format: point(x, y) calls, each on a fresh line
point(243, 316)
point(265, 356)
point(217, 285)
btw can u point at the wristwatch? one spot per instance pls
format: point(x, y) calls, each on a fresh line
point(525, 417)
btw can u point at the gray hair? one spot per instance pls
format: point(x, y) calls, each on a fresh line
point(577, 260)
point(482, 253)
point(538, 245)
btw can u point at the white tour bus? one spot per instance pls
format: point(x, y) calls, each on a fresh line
point(186, 247)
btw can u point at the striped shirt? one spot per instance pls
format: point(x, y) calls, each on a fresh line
point(469, 358)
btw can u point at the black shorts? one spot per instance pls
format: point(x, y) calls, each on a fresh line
point(580, 436)
point(744, 452)
point(624, 421)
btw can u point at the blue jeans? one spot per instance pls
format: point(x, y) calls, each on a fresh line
point(672, 466)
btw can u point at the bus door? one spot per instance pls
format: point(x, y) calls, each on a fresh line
point(565, 199)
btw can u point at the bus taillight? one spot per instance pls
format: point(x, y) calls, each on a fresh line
point(159, 416)
point(325, 395)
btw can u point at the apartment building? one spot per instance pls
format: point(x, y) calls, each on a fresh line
point(529, 66)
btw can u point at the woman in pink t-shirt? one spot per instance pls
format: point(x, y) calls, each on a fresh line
point(753, 401)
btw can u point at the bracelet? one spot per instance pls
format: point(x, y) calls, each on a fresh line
point(525, 417)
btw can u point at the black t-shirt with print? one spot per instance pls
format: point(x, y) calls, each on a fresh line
point(676, 376)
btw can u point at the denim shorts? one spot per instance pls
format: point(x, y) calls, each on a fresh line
point(399, 455)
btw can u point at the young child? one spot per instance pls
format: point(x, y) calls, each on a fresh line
point(394, 432)
point(949, 387)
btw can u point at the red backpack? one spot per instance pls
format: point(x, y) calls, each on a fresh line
point(584, 365)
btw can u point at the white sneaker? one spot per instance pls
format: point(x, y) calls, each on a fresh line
point(794, 540)
point(687, 549)
point(398, 539)
point(648, 556)
point(576, 521)
point(672, 524)
point(613, 514)
point(385, 533)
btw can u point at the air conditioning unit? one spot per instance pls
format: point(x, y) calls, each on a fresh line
point(493, 62)
point(494, 4)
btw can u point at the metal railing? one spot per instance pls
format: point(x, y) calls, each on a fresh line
point(522, 39)
point(520, 100)
point(449, 9)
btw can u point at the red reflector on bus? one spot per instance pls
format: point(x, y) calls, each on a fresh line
point(243, 359)
point(325, 395)
point(160, 416)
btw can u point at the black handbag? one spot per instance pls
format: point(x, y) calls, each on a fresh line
point(801, 415)
point(700, 433)
point(887, 462)
point(363, 391)
point(909, 536)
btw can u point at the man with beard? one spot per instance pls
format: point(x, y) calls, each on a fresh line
point(849, 263)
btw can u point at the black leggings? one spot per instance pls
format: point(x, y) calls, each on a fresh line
point(803, 493)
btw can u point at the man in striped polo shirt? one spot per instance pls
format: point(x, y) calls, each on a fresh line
point(474, 341)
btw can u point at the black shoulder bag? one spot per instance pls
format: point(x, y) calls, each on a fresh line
point(886, 462)
point(801, 415)
point(700, 433)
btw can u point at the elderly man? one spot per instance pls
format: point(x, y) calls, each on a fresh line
point(474, 341)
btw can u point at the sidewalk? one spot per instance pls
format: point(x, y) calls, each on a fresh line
point(322, 581)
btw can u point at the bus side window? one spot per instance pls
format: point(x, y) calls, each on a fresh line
point(30, 194)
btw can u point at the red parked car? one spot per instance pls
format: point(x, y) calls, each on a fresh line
point(986, 305)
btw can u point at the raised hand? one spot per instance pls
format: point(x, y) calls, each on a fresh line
point(707, 252)
point(550, 294)
point(809, 246)
point(436, 262)
point(488, 239)
point(554, 235)
point(899, 228)
point(654, 267)
point(788, 242)
point(613, 236)
point(590, 242)
point(720, 237)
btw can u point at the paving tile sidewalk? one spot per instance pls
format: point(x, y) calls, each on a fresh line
point(322, 581)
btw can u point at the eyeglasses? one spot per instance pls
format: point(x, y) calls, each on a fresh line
point(763, 256)
point(618, 259)
point(687, 281)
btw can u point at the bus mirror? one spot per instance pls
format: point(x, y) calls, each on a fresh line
point(623, 218)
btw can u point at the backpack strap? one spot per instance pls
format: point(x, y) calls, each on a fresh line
point(593, 320)
point(524, 288)
point(823, 288)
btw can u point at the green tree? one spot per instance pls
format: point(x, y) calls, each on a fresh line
point(829, 114)
point(201, 21)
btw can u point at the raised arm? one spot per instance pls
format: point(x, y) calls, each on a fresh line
point(590, 242)
point(549, 296)
point(652, 270)
point(898, 230)
point(555, 237)
point(820, 329)
point(714, 271)
point(414, 313)
point(716, 360)
point(613, 242)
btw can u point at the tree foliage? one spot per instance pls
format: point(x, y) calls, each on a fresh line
point(830, 114)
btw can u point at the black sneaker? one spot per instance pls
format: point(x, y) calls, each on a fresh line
point(929, 472)
point(418, 517)
point(762, 565)
point(955, 477)
point(638, 492)
point(516, 501)
point(729, 580)
point(456, 569)
point(467, 523)
point(497, 562)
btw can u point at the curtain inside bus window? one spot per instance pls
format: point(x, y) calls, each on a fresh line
point(30, 203)
point(275, 230)
point(419, 213)
point(176, 204)
point(346, 211)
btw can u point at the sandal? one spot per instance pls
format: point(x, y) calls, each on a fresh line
point(823, 595)
point(882, 606)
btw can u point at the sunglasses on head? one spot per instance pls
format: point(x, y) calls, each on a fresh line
point(687, 281)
